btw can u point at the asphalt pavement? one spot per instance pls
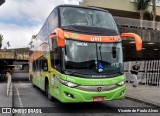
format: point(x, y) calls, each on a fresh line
point(5, 101)
point(25, 95)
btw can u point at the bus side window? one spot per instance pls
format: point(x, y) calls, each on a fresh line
point(34, 65)
point(54, 44)
point(44, 64)
point(55, 55)
point(39, 64)
point(55, 58)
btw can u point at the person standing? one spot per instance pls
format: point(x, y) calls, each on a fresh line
point(135, 69)
point(8, 82)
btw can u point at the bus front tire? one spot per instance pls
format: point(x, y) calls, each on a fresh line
point(47, 92)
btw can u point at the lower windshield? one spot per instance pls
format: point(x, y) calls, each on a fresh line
point(93, 58)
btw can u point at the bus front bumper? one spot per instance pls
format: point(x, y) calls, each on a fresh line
point(75, 95)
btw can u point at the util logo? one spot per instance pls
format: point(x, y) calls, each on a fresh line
point(111, 38)
point(96, 39)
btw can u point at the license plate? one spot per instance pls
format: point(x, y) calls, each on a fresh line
point(98, 99)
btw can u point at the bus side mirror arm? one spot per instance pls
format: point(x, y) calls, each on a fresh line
point(53, 35)
point(59, 35)
point(137, 38)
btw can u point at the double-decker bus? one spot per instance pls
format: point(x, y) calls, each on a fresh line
point(77, 55)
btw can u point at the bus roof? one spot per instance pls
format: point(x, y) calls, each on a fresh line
point(80, 6)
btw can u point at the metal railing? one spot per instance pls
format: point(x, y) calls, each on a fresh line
point(152, 72)
point(130, 22)
point(149, 72)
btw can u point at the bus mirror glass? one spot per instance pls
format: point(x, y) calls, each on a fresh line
point(114, 55)
point(137, 38)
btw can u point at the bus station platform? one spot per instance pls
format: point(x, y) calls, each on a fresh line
point(144, 93)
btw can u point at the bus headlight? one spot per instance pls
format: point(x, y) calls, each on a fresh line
point(120, 83)
point(69, 84)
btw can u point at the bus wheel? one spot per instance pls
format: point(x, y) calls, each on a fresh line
point(47, 91)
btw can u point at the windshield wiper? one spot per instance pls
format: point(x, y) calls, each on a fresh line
point(117, 72)
point(100, 52)
point(69, 72)
point(99, 62)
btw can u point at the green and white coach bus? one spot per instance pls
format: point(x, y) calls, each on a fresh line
point(77, 55)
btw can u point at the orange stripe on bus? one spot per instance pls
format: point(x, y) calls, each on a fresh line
point(91, 38)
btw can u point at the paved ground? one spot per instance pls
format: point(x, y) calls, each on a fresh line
point(27, 96)
point(24, 95)
point(4, 100)
point(20, 77)
point(145, 93)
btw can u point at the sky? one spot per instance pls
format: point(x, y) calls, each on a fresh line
point(20, 19)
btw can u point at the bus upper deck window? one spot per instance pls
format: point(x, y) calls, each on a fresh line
point(74, 17)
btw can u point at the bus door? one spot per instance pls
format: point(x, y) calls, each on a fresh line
point(44, 70)
point(38, 72)
point(35, 72)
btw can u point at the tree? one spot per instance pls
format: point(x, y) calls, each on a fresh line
point(142, 5)
point(34, 36)
point(8, 44)
point(1, 39)
point(154, 12)
point(31, 42)
point(154, 9)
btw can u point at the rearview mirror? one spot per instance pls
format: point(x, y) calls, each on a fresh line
point(137, 38)
point(114, 54)
point(59, 35)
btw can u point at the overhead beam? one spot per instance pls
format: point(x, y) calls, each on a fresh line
point(1, 2)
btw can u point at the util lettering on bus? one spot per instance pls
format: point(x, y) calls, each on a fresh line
point(96, 39)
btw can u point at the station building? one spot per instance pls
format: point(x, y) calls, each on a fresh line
point(127, 18)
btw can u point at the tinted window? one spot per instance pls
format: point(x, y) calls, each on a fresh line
point(86, 17)
point(55, 55)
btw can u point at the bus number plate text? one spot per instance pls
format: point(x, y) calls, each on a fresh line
point(98, 99)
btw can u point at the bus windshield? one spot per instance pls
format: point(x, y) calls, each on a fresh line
point(88, 58)
point(71, 16)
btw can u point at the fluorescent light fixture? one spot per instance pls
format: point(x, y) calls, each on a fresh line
point(150, 43)
point(155, 49)
point(143, 48)
point(132, 42)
